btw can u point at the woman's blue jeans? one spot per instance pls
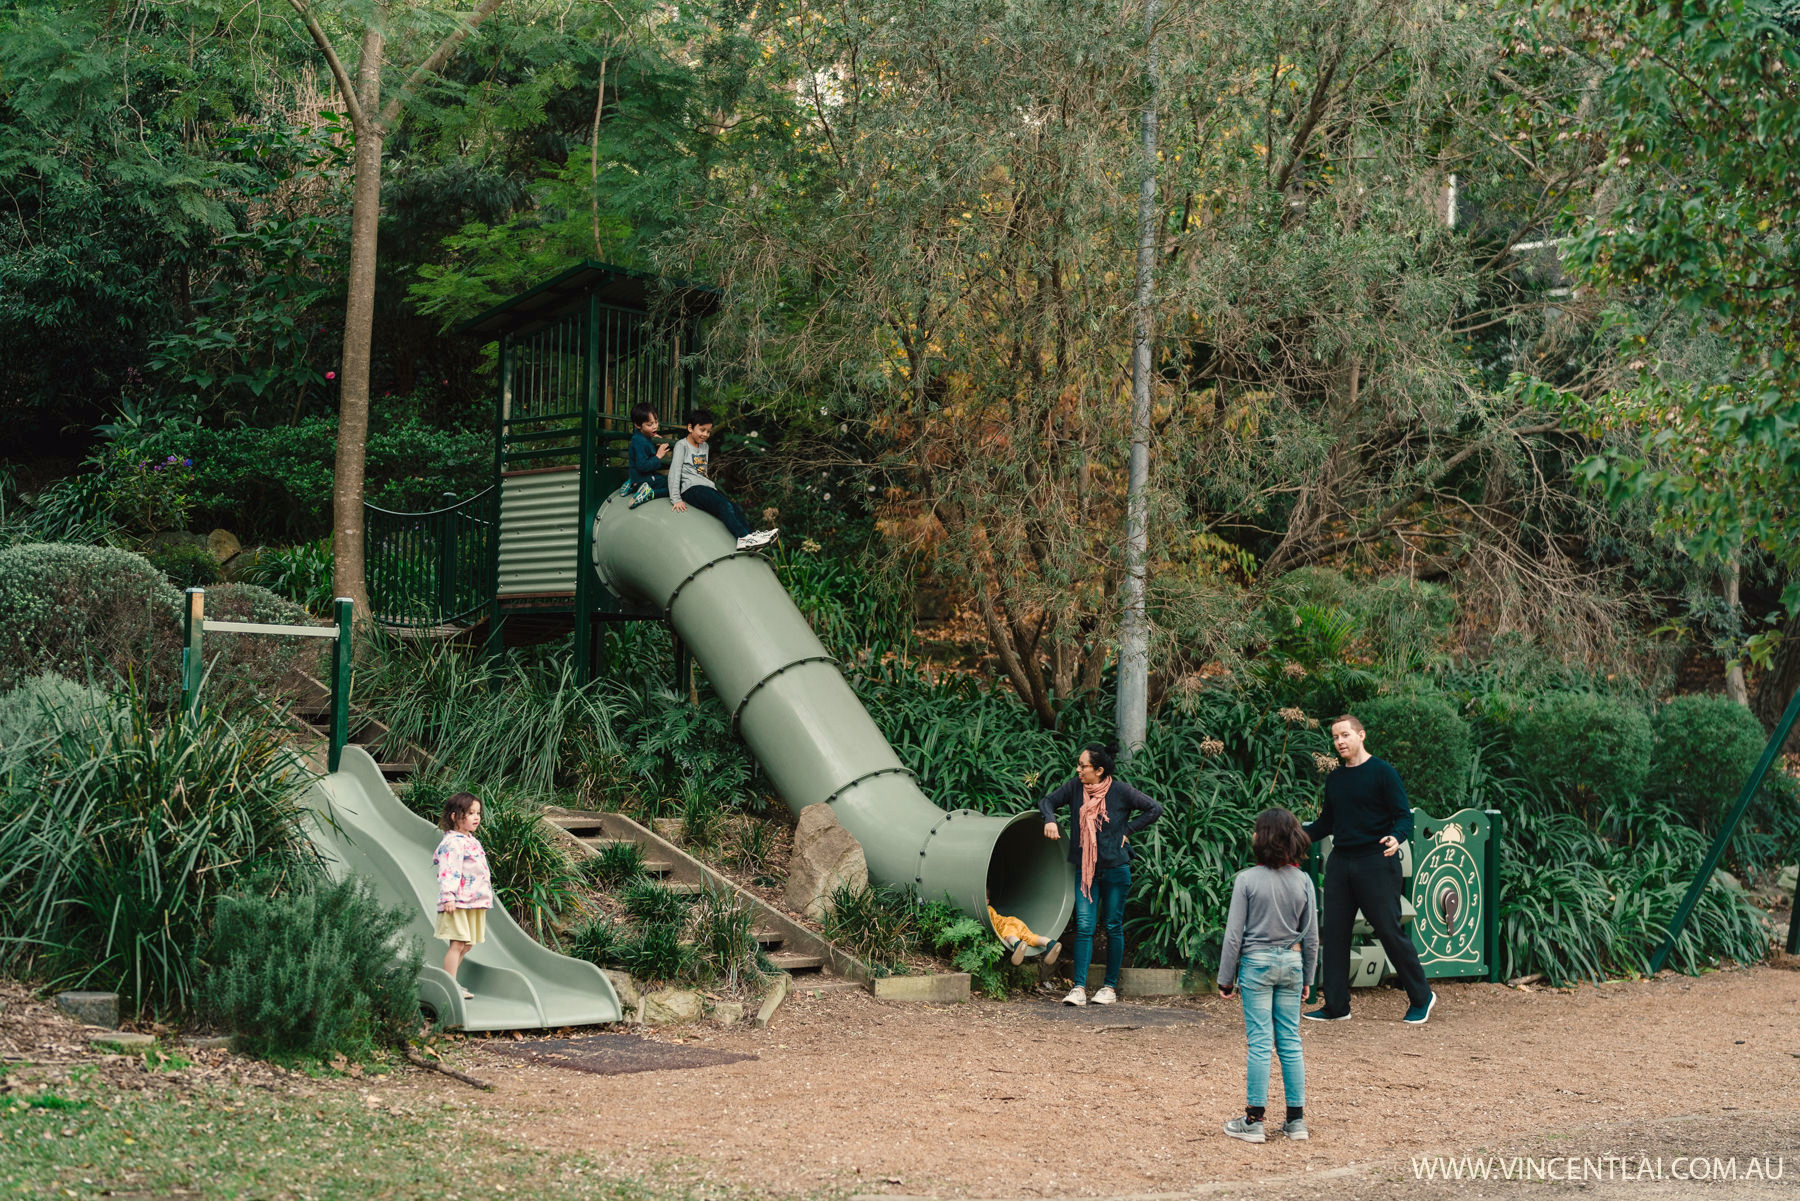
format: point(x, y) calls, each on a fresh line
point(1270, 985)
point(1110, 886)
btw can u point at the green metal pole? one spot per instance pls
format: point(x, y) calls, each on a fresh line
point(193, 663)
point(588, 492)
point(340, 682)
point(496, 642)
point(1704, 876)
point(1793, 942)
point(446, 564)
point(1490, 887)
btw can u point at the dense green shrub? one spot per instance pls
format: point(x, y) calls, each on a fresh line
point(1705, 748)
point(301, 574)
point(86, 612)
point(259, 663)
point(43, 705)
point(1585, 748)
point(1404, 622)
point(1428, 743)
point(186, 564)
point(272, 483)
point(117, 835)
point(312, 973)
point(534, 877)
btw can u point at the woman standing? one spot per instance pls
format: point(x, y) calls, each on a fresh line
point(1102, 811)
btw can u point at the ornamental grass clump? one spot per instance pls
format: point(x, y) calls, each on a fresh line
point(119, 831)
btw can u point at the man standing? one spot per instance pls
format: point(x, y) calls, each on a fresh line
point(1367, 816)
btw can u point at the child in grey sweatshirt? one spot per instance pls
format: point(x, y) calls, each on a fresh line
point(691, 483)
point(1271, 948)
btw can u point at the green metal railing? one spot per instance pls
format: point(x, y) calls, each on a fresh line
point(434, 568)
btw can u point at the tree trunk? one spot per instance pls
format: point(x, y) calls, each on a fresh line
point(347, 577)
point(1132, 718)
point(1735, 687)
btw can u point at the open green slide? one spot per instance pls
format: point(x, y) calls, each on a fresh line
point(362, 829)
point(807, 728)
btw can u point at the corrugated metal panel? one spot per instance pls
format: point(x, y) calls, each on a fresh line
point(538, 535)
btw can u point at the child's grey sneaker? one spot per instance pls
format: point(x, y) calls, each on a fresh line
point(1295, 1128)
point(1052, 952)
point(1250, 1132)
point(1019, 948)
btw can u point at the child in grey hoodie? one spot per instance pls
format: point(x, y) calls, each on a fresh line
point(1271, 948)
point(689, 483)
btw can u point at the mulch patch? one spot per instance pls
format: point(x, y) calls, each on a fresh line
point(613, 1054)
point(1120, 1016)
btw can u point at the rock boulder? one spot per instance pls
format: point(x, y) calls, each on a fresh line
point(825, 857)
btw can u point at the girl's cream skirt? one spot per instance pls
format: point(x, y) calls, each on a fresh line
point(462, 925)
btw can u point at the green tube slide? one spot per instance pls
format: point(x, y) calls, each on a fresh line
point(812, 736)
point(360, 828)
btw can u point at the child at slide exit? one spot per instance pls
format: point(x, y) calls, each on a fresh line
point(465, 888)
point(689, 483)
point(649, 476)
point(1271, 948)
point(1018, 938)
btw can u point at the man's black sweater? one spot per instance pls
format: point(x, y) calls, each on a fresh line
point(1363, 804)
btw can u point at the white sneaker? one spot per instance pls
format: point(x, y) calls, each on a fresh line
point(1105, 996)
point(745, 542)
point(1077, 996)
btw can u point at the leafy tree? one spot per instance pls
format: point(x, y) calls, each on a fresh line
point(371, 113)
point(1699, 121)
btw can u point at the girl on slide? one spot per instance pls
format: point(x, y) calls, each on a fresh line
point(465, 889)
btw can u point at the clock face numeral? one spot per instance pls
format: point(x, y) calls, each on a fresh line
point(1447, 895)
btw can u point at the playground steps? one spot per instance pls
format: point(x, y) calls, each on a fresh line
point(790, 946)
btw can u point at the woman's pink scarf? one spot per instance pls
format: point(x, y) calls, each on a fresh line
point(1093, 816)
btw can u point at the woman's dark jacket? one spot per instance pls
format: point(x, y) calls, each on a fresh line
point(1121, 798)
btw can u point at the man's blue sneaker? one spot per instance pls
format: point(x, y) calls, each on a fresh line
point(1325, 1015)
point(1416, 1015)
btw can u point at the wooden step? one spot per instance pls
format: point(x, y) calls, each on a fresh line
point(394, 770)
point(770, 938)
point(793, 961)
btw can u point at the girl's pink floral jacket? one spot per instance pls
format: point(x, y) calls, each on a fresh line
point(462, 871)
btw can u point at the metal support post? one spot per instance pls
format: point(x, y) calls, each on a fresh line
point(340, 682)
point(1704, 875)
point(1490, 901)
point(193, 662)
point(684, 665)
point(446, 564)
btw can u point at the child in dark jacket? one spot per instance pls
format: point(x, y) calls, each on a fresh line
point(649, 477)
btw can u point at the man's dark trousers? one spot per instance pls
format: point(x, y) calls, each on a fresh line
point(1365, 879)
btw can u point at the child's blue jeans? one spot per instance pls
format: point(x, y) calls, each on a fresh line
point(1270, 985)
point(711, 500)
point(1110, 886)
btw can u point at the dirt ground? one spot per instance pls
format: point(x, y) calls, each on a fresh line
point(1030, 1099)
